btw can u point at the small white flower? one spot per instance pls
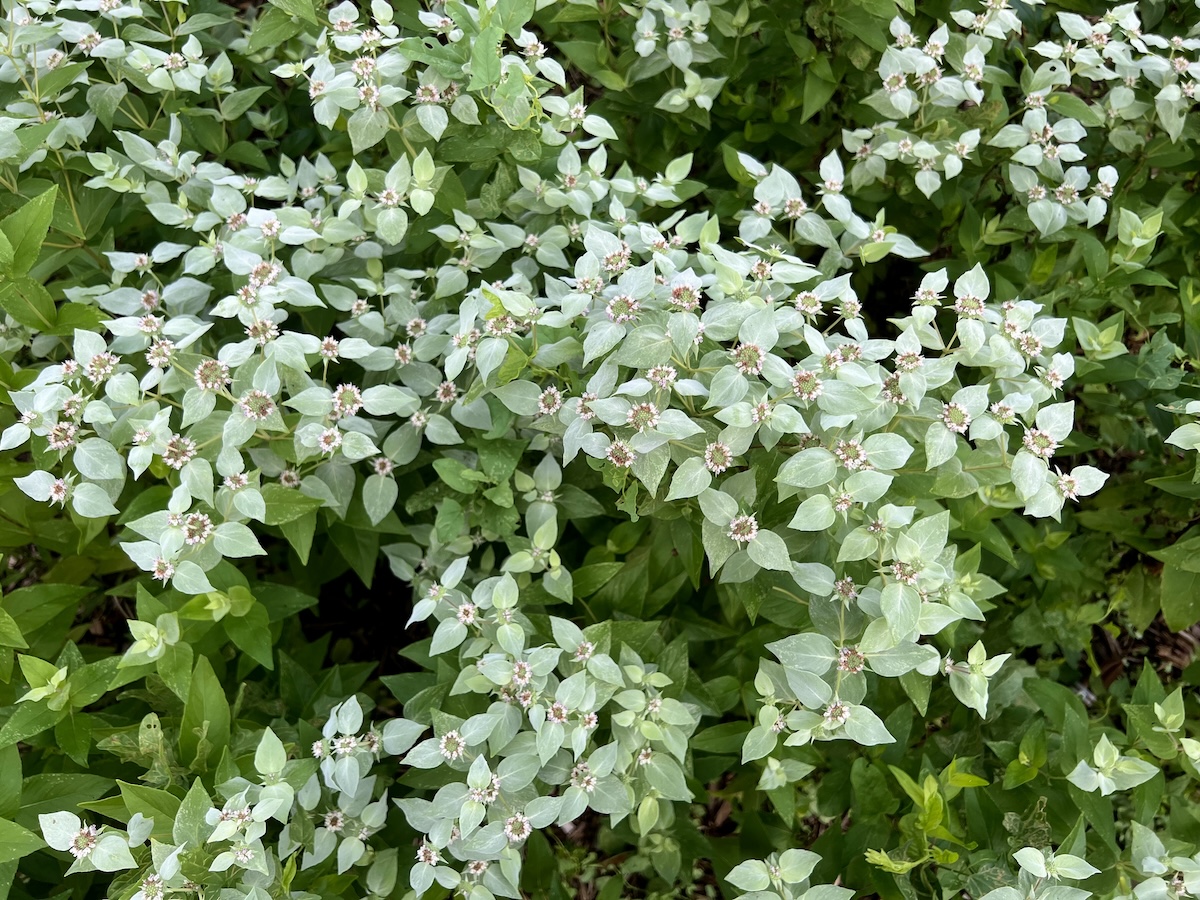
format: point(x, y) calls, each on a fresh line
point(1039, 443)
point(743, 529)
point(717, 457)
point(517, 828)
point(836, 714)
point(329, 440)
point(550, 401)
point(956, 418)
point(643, 416)
point(452, 746)
point(1068, 486)
point(619, 454)
point(84, 842)
point(428, 855)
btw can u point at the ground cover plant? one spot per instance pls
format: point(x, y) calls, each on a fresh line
point(598, 450)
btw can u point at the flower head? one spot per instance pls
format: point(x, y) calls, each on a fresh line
point(619, 454)
point(836, 714)
point(179, 451)
point(748, 358)
point(84, 842)
point(743, 529)
point(643, 416)
point(329, 440)
point(427, 855)
point(956, 418)
point(622, 308)
point(347, 401)
point(257, 405)
point(1039, 443)
point(451, 745)
point(550, 401)
point(211, 375)
point(717, 457)
point(517, 828)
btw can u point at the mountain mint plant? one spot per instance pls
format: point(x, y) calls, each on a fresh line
point(492, 450)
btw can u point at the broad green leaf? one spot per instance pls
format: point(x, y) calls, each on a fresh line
point(16, 842)
point(286, 505)
point(274, 27)
point(27, 301)
point(204, 728)
point(159, 805)
point(26, 231)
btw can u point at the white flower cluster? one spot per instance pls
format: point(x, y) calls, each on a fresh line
point(567, 315)
point(1143, 79)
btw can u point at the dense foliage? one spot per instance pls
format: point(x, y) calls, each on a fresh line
point(581, 449)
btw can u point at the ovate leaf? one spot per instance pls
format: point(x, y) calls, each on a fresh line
point(26, 230)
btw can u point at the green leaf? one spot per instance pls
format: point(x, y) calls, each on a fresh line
point(233, 539)
point(797, 865)
point(809, 468)
point(16, 842)
point(51, 792)
point(1076, 108)
point(302, 8)
point(589, 579)
point(6, 256)
point(901, 606)
point(10, 634)
point(282, 602)
point(485, 58)
point(368, 127)
point(10, 781)
point(1183, 554)
point(203, 21)
point(252, 634)
point(52, 83)
point(76, 316)
point(750, 875)
point(91, 502)
point(25, 299)
point(73, 734)
point(175, 668)
point(379, 493)
point(270, 757)
point(189, 825)
point(817, 92)
point(26, 230)
point(152, 803)
point(392, 225)
point(27, 720)
point(1180, 597)
point(689, 480)
point(299, 533)
point(874, 252)
point(204, 728)
point(104, 100)
point(32, 607)
point(96, 458)
point(272, 28)
point(866, 728)
point(234, 105)
point(814, 514)
point(770, 552)
point(287, 504)
point(360, 549)
point(665, 775)
point(458, 476)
